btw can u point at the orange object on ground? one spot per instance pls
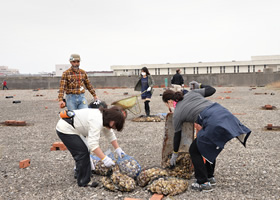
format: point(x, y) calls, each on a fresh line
point(24, 163)
point(58, 146)
point(157, 197)
point(268, 107)
point(10, 122)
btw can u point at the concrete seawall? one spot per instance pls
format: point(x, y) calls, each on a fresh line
point(241, 79)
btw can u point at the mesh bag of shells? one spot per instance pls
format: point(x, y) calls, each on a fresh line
point(119, 181)
point(148, 175)
point(168, 186)
point(99, 167)
point(129, 166)
point(183, 168)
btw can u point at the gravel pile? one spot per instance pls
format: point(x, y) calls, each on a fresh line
point(241, 173)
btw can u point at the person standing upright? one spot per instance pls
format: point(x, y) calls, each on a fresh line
point(145, 84)
point(5, 85)
point(177, 81)
point(73, 82)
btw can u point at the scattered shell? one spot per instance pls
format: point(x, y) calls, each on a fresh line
point(147, 119)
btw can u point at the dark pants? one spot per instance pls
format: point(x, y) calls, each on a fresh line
point(4, 86)
point(81, 154)
point(202, 171)
point(147, 107)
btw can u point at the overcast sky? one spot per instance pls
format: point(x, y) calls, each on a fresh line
point(36, 35)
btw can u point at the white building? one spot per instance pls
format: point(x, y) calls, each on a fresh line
point(256, 64)
point(60, 68)
point(4, 70)
point(100, 73)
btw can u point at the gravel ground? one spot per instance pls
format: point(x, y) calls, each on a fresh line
point(241, 173)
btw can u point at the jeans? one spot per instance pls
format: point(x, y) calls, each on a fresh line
point(81, 155)
point(76, 101)
point(201, 171)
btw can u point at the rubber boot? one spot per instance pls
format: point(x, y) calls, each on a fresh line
point(147, 108)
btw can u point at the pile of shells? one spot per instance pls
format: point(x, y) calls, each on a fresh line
point(168, 186)
point(123, 182)
point(118, 181)
point(129, 167)
point(107, 183)
point(149, 175)
point(100, 168)
point(183, 168)
point(147, 119)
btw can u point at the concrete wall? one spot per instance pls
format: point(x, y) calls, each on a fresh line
point(241, 79)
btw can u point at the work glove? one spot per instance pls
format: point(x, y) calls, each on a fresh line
point(149, 89)
point(120, 152)
point(108, 162)
point(173, 158)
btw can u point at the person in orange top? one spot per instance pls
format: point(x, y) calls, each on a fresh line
point(73, 82)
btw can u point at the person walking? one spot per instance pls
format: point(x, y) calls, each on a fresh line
point(91, 124)
point(145, 84)
point(73, 82)
point(5, 85)
point(218, 127)
point(177, 81)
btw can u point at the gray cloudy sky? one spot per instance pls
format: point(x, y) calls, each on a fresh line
point(35, 35)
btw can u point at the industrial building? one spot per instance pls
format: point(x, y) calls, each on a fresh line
point(256, 64)
point(4, 71)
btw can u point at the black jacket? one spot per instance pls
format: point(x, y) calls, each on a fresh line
point(177, 79)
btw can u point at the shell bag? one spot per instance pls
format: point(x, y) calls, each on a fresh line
point(168, 186)
point(129, 166)
point(118, 181)
point(99, 167)
point(148, 175)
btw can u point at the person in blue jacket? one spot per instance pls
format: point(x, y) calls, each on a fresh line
point(145, 84)
point(218, 127)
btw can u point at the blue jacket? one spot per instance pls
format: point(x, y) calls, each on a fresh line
point(218, 127)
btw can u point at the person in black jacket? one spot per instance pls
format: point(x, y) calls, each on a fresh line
point(177, 81)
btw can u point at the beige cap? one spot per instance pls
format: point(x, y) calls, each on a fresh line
point(75, 57)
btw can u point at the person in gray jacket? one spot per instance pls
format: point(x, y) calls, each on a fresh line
point(219, 126)
point(145, 84)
